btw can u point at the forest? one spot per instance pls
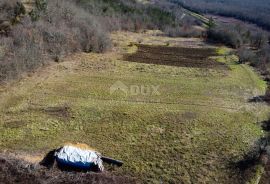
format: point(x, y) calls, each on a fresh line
point(249, 10)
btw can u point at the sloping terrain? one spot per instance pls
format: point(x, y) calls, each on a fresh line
point(168, 124)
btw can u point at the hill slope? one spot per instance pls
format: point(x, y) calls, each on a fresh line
point(192, 130)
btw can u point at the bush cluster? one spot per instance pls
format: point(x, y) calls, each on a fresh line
point(252, 44)
point(226, 35)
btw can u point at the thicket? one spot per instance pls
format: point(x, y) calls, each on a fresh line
point(10, 9)
point(237, 35)
point(252, 45)
point(54, 29)
point(133, 16)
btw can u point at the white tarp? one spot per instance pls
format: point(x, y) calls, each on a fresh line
point(80, 158)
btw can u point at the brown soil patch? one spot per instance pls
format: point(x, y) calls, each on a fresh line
point(15, 124)
point(176, 56)
point(61, 111)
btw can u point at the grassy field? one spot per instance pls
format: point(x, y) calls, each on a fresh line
point(198, 123)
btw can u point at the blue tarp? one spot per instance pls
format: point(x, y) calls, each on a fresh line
point(79, 158)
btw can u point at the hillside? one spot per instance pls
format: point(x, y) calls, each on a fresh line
point(176, 96)
point(199, 118)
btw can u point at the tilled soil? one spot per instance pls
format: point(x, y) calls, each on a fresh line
point(176, 56)
point(13, 170)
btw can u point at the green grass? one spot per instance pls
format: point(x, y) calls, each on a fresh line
point(200, 122)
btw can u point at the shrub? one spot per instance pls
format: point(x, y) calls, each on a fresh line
point(7, 9)
point(227, 35)
point(246, 55)
point(23, 51)
point(258, 39)
point(40, 7)
point(264, 59)
point(78, 25)
point(182, 32)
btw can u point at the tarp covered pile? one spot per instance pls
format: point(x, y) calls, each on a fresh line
point(80, 158)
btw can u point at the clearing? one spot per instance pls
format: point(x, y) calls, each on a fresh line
point(190, 129)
